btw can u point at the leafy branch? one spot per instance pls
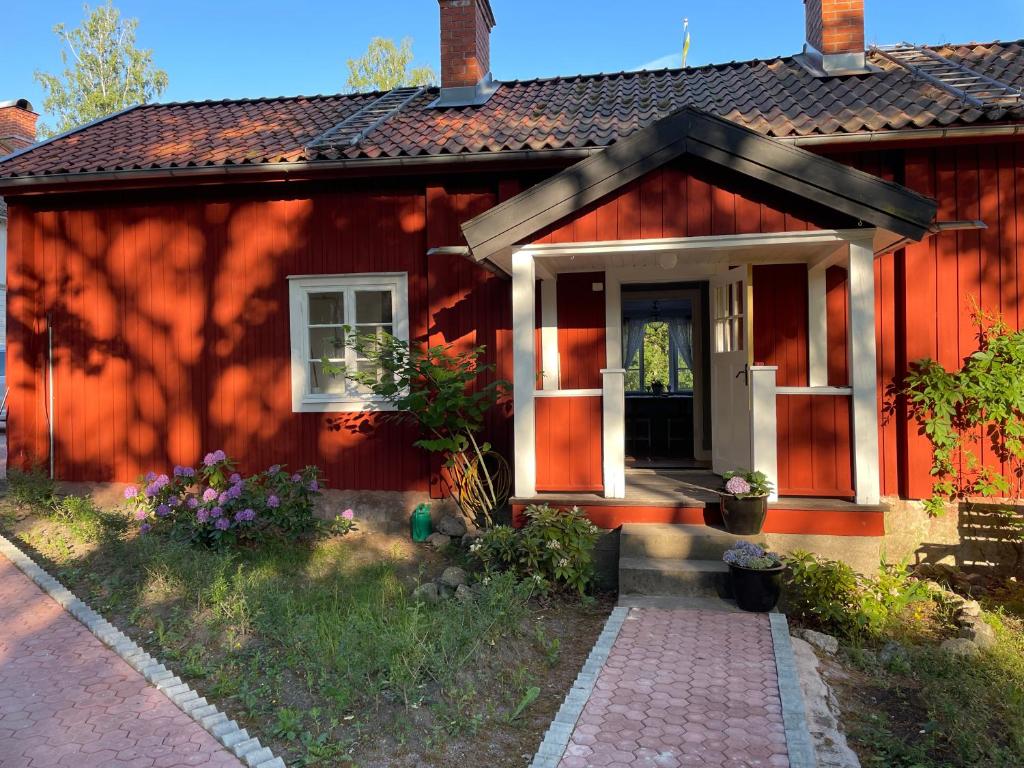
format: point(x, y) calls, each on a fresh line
point(980, 404)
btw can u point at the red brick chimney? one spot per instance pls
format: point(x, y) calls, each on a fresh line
point(465, 52)
point(17, 125)
point(835, 35)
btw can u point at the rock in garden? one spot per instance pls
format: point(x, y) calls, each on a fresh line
point(890, 652)
point(439, 540)
point(427, 593)
point(959, 646)
point(453, 577)
point(451, 525)
point(447, 593)
point(463, 594)
point(470, 537)
point(821, 641)
point(970, 609)
point(979, 633)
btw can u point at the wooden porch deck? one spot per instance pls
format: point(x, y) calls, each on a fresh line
point(690, 496)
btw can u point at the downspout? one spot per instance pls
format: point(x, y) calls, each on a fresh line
point(49, 383)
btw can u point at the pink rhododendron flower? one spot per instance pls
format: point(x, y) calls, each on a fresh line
point(140, 514)
point(209, 494)
point(130, 492)
point(348, 514)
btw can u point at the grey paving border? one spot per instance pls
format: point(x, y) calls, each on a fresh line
point(223, 729)
point(794, 717)
point(556, 739)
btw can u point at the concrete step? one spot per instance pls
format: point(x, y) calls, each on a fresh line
point(687, 578)
point(677, 542)
point(679, 603)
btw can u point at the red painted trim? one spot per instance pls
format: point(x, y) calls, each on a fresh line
point(818, 522)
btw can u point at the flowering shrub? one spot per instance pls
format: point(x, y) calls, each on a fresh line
point(554, 549)
point(746, 554)
point(215, 505)
point(744, 484)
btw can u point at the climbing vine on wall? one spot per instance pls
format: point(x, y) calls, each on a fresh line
point(978, 409)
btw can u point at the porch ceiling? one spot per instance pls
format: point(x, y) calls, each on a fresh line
point(691, 256)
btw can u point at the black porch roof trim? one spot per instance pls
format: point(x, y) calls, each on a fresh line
point(693, 132)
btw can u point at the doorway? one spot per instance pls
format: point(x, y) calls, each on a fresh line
point(665, 350)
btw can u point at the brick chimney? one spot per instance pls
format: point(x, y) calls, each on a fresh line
point(465, 53)
point(835, 35)
point(17, 125)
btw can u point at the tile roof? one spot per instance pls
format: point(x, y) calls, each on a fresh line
point(776, 97)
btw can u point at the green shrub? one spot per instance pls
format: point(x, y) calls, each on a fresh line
point(555, 548)
point(832, 596)
point(30, 488)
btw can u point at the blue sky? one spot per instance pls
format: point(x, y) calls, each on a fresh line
point(229, 48)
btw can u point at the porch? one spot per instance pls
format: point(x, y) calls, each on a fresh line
point(777, 245)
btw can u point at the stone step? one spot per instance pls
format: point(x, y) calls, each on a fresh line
point(677, 542)
point(689, 578)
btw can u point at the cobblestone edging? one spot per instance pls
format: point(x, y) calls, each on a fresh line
point(224, 730)
point(556, 739)
point(794, 718)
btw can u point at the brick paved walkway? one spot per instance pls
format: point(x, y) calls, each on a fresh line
point(68, 700)
point(684, 688)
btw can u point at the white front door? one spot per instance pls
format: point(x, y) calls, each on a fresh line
point(730, 356)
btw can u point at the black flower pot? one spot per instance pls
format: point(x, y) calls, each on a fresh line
point(744, 516)
point(756, 590)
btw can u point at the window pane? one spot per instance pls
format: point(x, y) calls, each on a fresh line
point(327, 341)
point(326, 308)
point(373, 307)
point(321, 383)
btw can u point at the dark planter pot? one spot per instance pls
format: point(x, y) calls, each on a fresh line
point(756, 590)
point(744, 516)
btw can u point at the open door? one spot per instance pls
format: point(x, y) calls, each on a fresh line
point(730, 358)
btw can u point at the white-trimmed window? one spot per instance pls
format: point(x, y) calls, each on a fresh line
point(321, 308)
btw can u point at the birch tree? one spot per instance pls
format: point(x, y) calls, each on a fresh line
point(104, 71)
point(385, 66)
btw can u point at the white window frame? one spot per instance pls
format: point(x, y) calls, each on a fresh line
point(299, 289)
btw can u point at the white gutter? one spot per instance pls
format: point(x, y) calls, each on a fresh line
point(906, 135)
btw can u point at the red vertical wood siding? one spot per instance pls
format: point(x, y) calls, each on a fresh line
point(171, 328)
point(581, 330)
point(813, 432)
point(688, 198)
point(569, 444)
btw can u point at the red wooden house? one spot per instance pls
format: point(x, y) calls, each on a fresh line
point(798, 230)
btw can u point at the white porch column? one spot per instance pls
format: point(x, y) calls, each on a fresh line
point(817, 328)
point(549, 332)
point(613, 379)
point(523, 374)
point(763, 424)
point(862, 365)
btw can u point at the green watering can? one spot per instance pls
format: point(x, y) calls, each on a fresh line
point(419, 523)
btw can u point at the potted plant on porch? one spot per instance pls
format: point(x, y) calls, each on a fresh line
point(756, 576)
point(745, 501)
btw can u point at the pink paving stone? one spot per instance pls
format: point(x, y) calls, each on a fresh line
point(700, 686)
point(74, 702)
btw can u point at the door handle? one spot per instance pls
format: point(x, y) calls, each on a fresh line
point(743, 372)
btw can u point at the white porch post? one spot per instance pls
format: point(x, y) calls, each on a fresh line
point(549, 332)
point(613, 379)
point(862, 365)
point(763, 424)
point(523, 375)
point(817, 328)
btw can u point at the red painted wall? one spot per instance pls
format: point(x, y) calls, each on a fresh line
point(569, 444)
point(171, 331)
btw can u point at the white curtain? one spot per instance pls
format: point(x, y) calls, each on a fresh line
point(680, 330)
point(634, 339)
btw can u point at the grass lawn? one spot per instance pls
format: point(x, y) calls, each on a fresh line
point(908, 704)
point(319, 650)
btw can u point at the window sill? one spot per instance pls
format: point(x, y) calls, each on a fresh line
point(342, 406)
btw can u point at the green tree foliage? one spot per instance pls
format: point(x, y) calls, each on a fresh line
point(385, 66)
point(103, 70)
